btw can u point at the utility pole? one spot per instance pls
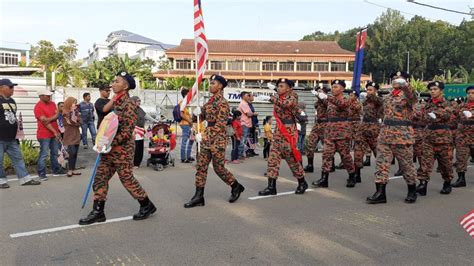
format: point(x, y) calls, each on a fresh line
point(408, 62)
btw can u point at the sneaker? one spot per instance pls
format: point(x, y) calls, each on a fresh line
point(86, 147)
point(4, 185)
point(43, 178)
point(60, 173)
point(32, 182)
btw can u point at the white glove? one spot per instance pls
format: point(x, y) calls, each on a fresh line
point(322, 96)
point(315, 93)
point(197, 111)
point(198, 137)
point(380, 120)
point(432, 115)
point(467, 114)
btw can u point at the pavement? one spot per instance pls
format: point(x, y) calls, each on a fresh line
point(331, 226)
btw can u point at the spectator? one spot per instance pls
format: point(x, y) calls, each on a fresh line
point(245, 121)
point(252, 138)
point(8, 141)
point(236, 125)
point(303, 120)
point(60, 118)
point(87, 118)
point(103, 106)
point(268, 135)
point(46, 114)
point(140, 132)
point(72, 136)
point(186, 123)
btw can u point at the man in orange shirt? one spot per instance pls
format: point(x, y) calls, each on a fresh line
point(186, 124)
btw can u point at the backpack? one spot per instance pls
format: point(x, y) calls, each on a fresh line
point(177, 113)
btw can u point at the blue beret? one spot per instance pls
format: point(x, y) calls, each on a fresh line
point(402, 74)
point(340, 82)
point(373, 84)
point(221, 80)
point(290, 83)
point(130, 80)
point(438, 84)
point(469, 88)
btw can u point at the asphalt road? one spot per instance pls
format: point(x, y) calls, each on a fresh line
point(324, 226)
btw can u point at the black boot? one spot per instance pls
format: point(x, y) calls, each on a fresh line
point(197, 199)
point(270, 189)
point(302, 186)
point(309, 168)
point(367, 161)
point(147, 208)
point(358, 177)
point(446, 188)
point(399, 172)
point(97, 214)
point(411, 196)
point(461, 182)
point(422, 187)
point(323, 181)
point(414, 159)
point(333, 167)
point(351, 181)
point(237, 188)
point(379, 195)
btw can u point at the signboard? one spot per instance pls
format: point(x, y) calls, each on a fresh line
point(233, 94)
point(455, 90)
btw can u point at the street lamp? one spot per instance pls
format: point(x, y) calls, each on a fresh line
point(408, 62)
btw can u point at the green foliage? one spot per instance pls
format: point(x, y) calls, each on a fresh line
point(418, 85)
point(436, 48)
point(30, 155)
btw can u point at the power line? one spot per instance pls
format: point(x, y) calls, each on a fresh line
point(440, 8)
point(386, 7)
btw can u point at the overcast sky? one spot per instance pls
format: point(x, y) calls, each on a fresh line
point(169, 21)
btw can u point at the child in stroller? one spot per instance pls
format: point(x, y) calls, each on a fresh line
point(162, 142)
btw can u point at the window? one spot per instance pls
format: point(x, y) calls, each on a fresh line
point(9, 58)
point(236, 65)
point(269, 66)
point(303, 66)
point(252, 66)
point(218, 65)
point(287, 66)
point(338, 66)
point(319, 66)
point(183, 64)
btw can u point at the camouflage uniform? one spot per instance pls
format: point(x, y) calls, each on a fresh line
point(368, 129)
point(355, 113)
point(214, 140)
point(337, 134)
point(438, 140)
point(419, 125)
point(120, 158)
point(317, 132)
point(464, 137)
point(281, 149)
point(396, 136)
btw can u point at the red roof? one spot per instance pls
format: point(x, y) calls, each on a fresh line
point(264, 47)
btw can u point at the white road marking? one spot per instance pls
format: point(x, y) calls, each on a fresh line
point(67, 227)
point(277, 195)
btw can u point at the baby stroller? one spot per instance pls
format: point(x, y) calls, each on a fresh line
point(162, 142)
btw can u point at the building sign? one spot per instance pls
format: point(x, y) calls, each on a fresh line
point(233, 94)
point(455, 90)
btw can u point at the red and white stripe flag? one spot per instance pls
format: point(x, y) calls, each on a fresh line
point(467, 222)
point(201, 52)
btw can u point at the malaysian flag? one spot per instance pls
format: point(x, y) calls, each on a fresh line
point(201, 52)
point(467, 222)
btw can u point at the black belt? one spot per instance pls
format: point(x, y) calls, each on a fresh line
point(288, 121)
point(369, 120)
point(353, 119)
point(467, 122)
point(211, 124)
point(322, 120)
point(337, 119)
point(391, 122)
point(419, 126)
point(435, 127)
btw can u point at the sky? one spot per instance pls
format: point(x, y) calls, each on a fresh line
point(169, 21)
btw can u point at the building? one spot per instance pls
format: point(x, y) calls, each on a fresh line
point(15, 59)
point(124, 42)
point(252, 63)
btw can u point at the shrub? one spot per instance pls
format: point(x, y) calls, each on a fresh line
point(30, 155)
